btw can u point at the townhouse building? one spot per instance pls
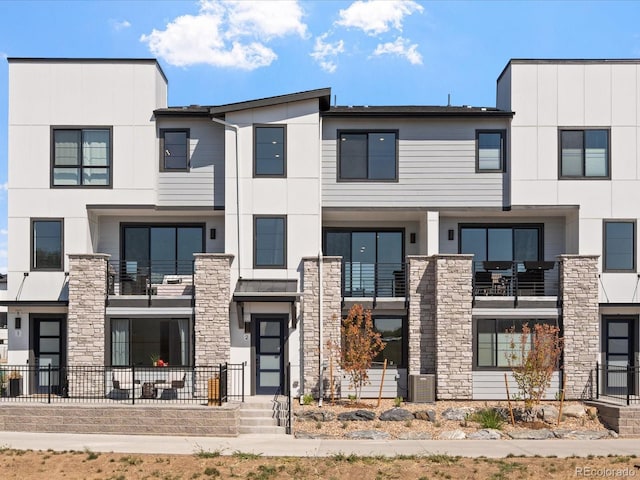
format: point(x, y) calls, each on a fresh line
point(244, 232)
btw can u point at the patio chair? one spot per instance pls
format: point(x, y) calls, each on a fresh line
point(123, 381)
point(175, 381)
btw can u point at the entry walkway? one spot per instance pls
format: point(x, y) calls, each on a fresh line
point(285, 445)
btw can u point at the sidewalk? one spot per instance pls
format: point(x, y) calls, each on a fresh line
point(286, 445)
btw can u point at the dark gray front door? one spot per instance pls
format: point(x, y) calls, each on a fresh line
point(269, 342)
point(49, 352)
point(619, 355)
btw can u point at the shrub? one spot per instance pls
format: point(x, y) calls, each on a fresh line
point(488, 418)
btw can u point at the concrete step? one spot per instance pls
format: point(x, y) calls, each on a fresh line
point(257, 421)
point(263, 429)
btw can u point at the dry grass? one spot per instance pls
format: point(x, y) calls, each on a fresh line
point(15, 464)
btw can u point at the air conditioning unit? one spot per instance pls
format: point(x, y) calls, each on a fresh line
point(422, 388)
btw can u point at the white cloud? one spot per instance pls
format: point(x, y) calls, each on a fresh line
point(3, 253)
point(265, 19)
point(227, 33)
point(4, 55)
point(400, 48)
point(118, 25)
point(4, 186)
point(326, 53)
point(375, 17)
point(4, 231)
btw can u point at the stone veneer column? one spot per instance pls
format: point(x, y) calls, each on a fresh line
point(422, 324)
point(580, 321)
point(213, 295)
point(331, 316)
point(86, 322)
point(454, 332)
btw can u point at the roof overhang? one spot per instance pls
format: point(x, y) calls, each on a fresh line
point(266, 291)
point(285, 291)
point(34, 303)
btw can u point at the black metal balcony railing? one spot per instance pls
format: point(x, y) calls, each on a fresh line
point(515, 279)
point(374, 280)
point(212, 385)
point(618, 383)
point(157, 278)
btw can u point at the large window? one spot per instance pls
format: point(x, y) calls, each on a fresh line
point(370, 156)
point(174, 149)
point(490, 151)
point(502, 242)
point(373, 261)
point(161, 249)
point(392, 330)
point(47, 244)
point(619, 246)
point(493, 340)
point(270, 242)
point(81, 157)
point(584, 154)
point(138, 341)
point(269, 151)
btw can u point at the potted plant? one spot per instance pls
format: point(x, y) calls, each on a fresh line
point(15, 383)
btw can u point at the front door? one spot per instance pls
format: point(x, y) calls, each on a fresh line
point(619, 355)
point(49, 352)
point(269, 343)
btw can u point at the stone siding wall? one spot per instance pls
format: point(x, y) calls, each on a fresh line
point(580, 321)
point(212, 297)
point(331, 315)
point(454, 332)
point(86, 341)
point(422, 323)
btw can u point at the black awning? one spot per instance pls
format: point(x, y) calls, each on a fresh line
point(266, 291)
point(34, 303)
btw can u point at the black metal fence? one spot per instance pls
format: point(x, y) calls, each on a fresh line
point(168, 278)
point(515, 279)
point(206, 385)
point(374, 280)
point(618, 383)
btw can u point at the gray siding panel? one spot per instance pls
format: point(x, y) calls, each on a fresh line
point(395, 384)
point(203, 184)
point(431, 173)
point(488, 385)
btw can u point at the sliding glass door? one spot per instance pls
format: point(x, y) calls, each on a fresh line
point(373, 260)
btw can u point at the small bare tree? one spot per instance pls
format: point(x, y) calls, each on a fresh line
point(360, 345)
point(533, 356)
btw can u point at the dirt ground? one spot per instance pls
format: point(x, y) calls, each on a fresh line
point(24, 465)
point(338, 429)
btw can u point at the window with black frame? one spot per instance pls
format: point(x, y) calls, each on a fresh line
point(367, 156)
point(619, 251)
point(584, 153)
point(392, 331)
point(174, 150)
point(151, 252)
point(494, 337)
point(269, 151)
point(81, 157)
point(47, 244)
point(270, 241)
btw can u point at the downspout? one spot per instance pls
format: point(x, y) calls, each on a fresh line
point(320, 292)
point(235, 129)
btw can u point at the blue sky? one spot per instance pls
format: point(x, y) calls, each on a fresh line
point(369, 53)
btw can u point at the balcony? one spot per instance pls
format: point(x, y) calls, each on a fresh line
point(374, 280)
point(156, 283)
point(529, 281)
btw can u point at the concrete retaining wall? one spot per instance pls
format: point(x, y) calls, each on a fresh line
point(122, 419)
